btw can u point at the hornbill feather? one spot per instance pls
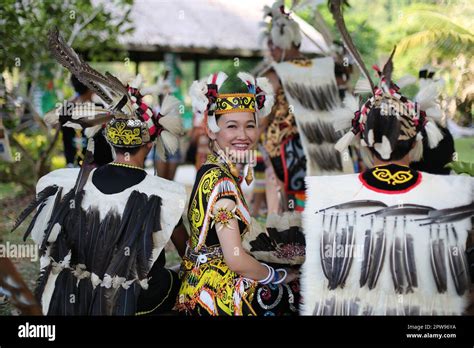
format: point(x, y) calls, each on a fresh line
point(40, 198)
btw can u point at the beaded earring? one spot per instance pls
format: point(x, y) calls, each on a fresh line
point(233, 169)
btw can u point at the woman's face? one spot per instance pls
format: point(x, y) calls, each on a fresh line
point(275, 51)
point(238, 133)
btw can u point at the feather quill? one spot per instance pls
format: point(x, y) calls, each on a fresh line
point(40, 198)
point(368, 255)
point(457, 263)
point(409, 258)
point(335, 6)
point(379, 257)
point(355, 204)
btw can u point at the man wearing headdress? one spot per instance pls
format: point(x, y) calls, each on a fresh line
point(102, 231)
point(390, 240)
point(300, 134)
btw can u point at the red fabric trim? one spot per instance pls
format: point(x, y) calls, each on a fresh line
point(283, 162)
point(214, 78)
point(390, 192)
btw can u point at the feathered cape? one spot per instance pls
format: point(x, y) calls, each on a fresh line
point(384, 263)
point(312, 94)
point(96, 249)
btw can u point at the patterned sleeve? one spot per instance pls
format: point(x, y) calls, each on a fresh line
point(215, 185)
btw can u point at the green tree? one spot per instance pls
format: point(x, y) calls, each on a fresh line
point(26, 64)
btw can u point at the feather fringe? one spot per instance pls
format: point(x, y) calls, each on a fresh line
point(221, 77)
point(171, 120)
point(246, 77)
point(416, 154)
point(433, 133)
point(197, 92)
point(362, 86)
point(212, 124)
point(267, 90)
point(169, 141)
point(343, 143)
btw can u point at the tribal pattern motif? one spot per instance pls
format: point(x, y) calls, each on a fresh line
point(390, 178)
point(399, 177)
point(121, 132)
point(212, 288)
point(244, 102)
point(294, 165)
point(282, 125)
point(214, 181)
point(208, 286)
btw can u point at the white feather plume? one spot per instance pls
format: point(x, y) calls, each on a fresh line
point(427, 98)
point(169, 141)
point(342, 115)
point(221, 77)
point(136, 82)
point(91, 131)
point(197, 92)
point(384, 148)
point(212, 124)
point(344, 142)
point(246, 77)
point(52, 117)
point(362, 86)
point(264, 84)
point(416, 153)
point(171, 119)
point(433, 133)
point(160, 149)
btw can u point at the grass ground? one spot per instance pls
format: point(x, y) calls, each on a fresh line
point(465, 149)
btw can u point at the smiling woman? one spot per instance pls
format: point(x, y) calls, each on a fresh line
point(218, 276)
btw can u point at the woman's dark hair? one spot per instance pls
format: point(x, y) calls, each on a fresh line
point(127, 150)
point(390, 127)
point(402, 148)
point(233, 84)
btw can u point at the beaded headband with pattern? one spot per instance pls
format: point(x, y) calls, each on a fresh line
point(207, 100)
point(239, 102)
point(135, 131)
point(387, 117)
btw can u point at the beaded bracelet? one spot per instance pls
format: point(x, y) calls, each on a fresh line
point(269, 277)
point(280, 280)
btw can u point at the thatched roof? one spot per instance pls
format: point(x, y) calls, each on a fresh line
point(202, 28)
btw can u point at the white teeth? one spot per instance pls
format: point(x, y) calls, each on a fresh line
point(241, 146)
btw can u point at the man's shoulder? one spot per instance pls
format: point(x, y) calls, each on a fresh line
point(64, 177)
point(158, 185)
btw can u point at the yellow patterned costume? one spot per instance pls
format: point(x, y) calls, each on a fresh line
point(209, 287)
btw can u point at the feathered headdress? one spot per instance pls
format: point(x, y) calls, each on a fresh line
point(387, 117)
point(130, 122)
point(205, 96)
point(282, 29)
